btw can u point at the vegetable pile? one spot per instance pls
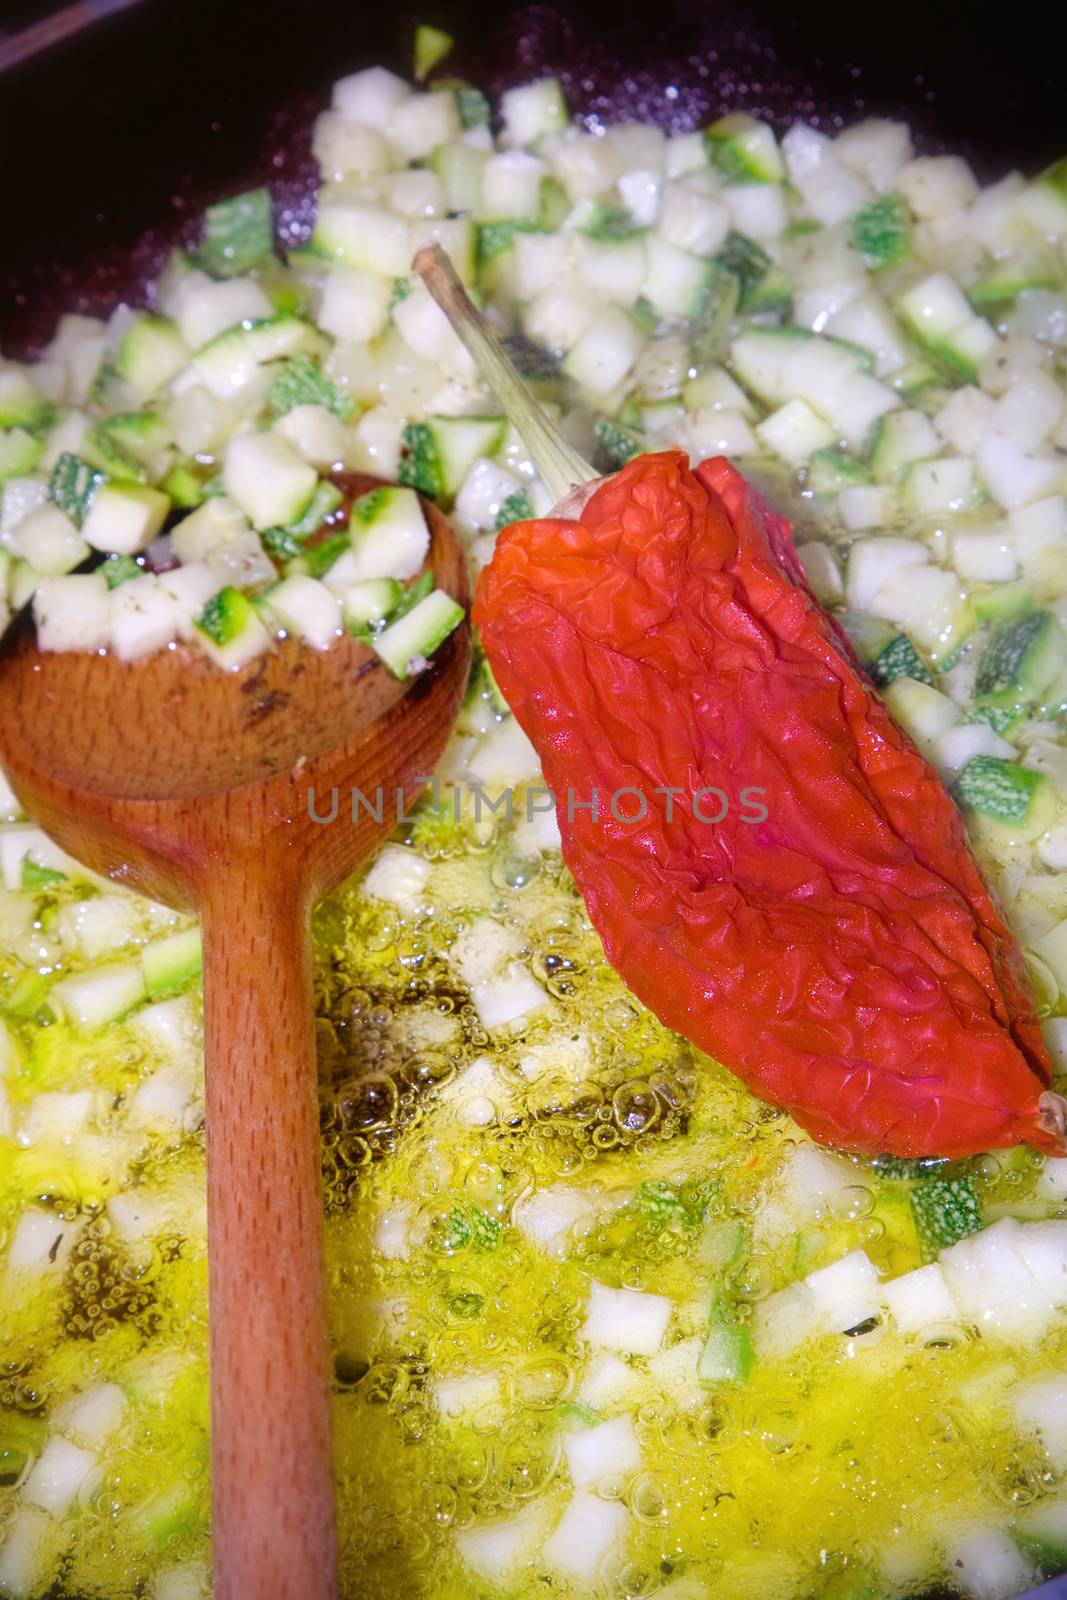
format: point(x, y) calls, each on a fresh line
point(602, 1320)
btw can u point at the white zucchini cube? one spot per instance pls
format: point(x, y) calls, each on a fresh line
point(822, 571)
point(73, 613)
point(542, 260)
point(306, 609)
point(640, 193)
point(937, 186)
point(1039, 527)
point(785, 1320)
point(607, 1450)
point(28, 1556)
point(40, 1241)
point(91, 999)
point(957, 745)
point(485, 489)
point(206, 529)
point(207, 309)
point(585, 1534)
point(500, 1002)
point(18, 498)
point(865, 506)
point(143, 618)
point(936, 306)
point(718, 433)
point(417, 193)
point(124, 518)
point(847, 1292)
point(628, 1321)
point(369, 97)
point(676, 283)
point(428, 332)
point(1042, 1406)
point(983, 555)
point(360, 234)
point(932, 487)
point(57, 1475)
point(692, 219)
point(876, 149)
point(605, 352)
point(794, 432)
point(872, 561)
point(612, 269)
point(991, 1285)
point(355, 304)
point(417, 125)
point(189, 588)
point(548, 1217)
point(511, 186)
point(964, 418)
point(607, 1379)
point(1042, 1248)
point(1013, 476)
point(317, 434)
point(758, 210)
point(267, 479)
point(398, 877)
point(1029, 411)
point(92, 1417)
point(378, 435)
point(347, 149)
point(48, 539)
point(920, 1299)
point(533, 110)
point(495, 1549)
point(558, 316)
point(241, 562)
point(988, 1565)
point(503, 756)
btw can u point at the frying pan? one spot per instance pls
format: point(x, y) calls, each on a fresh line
point(117, 134)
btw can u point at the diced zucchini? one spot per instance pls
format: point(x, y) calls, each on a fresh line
point(118, 570)
point(22, 405)
point(676, 283)
point(923, 711)
point(136, 446)
point(460, 168)
point(900, 438)
point(73, 613)
point(267, 479)
point(143, 618)
point(1044, 202)
point(795, 432)
point(615, 444)
point(1004, 797)
point(436, 455)
point(432, 45)
point(830, 471)
point(152, 352)
point(1032, 266)
point(72, 486)
point(92, 999)
point(20, 452)
point(744, 150)
point(365, 605)
point(1021, 662)
point(405, 646)
point(307, 609)
point(124, 518)
point(229, 629)
point(238, 234)
point(759, 356)
point(532, 110)
point(301, 383)
point(939, 314)
point(944, 1210)
point(474, 108)
point(728, 1355)
point(361, 234)
point(605, 352)
point(899, 659)
point(49, 541)
point(389, 535)
point(881, 232)
point(170, 965)
point(762, 285)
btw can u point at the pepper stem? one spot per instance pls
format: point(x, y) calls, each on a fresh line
point(559, 467)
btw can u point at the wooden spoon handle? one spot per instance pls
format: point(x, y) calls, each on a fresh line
point(272, 1483)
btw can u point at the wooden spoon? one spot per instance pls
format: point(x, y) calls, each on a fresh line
point(192, 785)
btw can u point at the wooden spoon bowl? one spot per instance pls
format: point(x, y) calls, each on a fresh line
point(201, 788)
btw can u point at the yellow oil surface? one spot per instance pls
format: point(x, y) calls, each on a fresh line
point(847, 1469)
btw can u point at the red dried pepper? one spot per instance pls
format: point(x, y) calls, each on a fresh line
point(844, 956)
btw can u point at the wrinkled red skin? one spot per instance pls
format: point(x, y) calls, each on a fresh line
point(844, 956)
